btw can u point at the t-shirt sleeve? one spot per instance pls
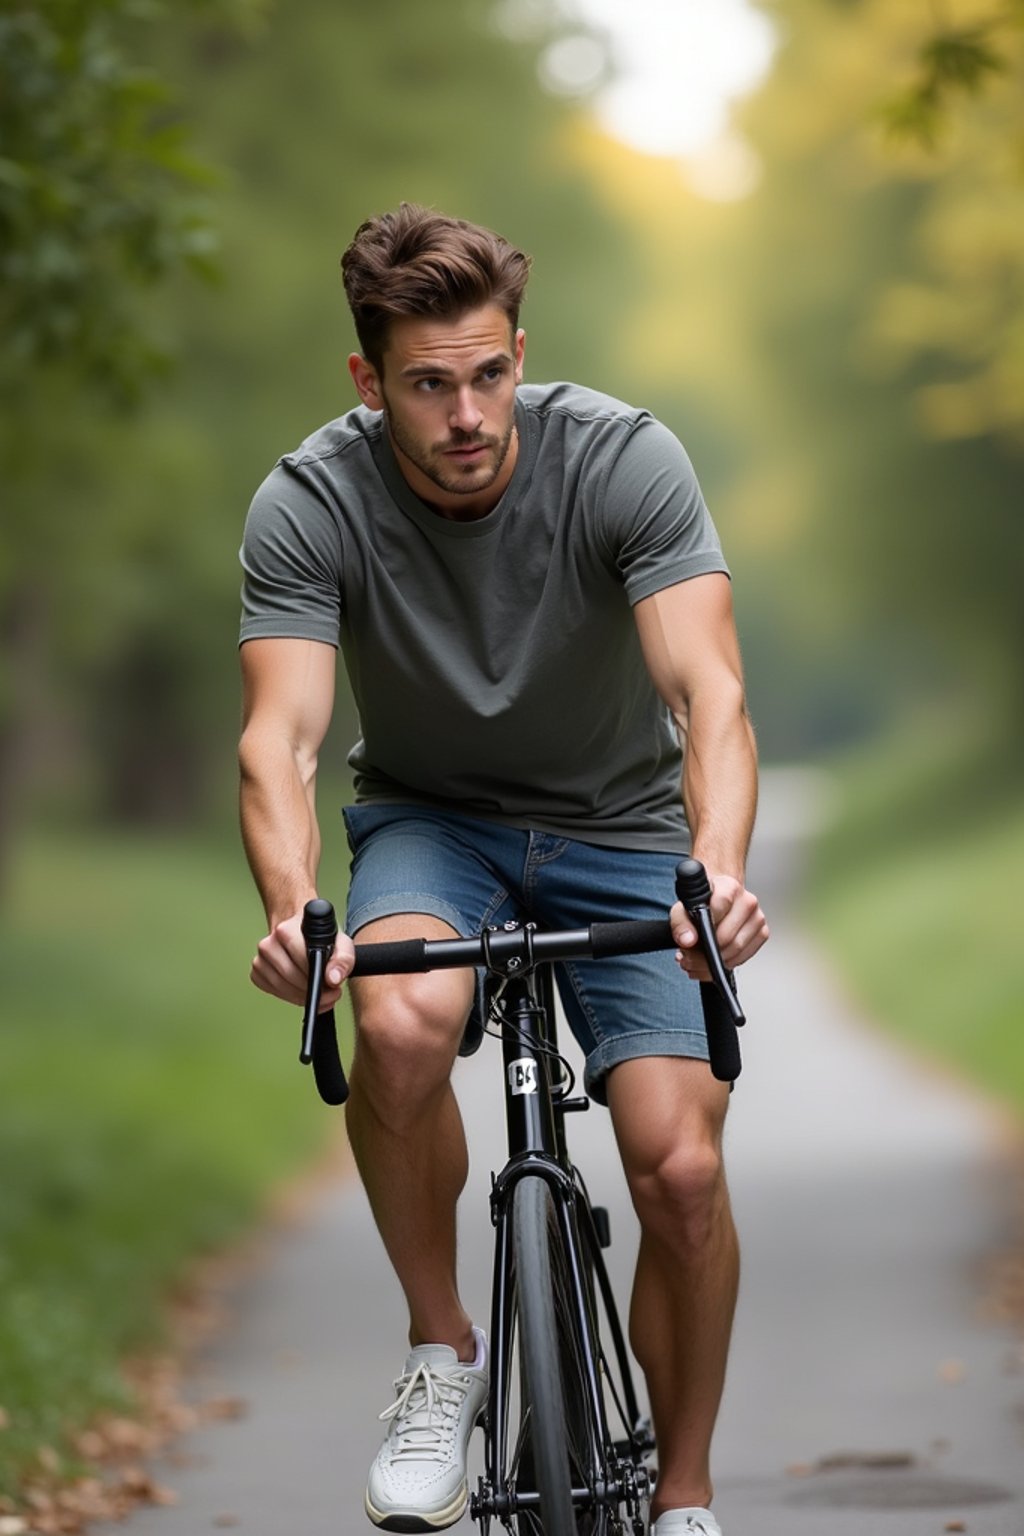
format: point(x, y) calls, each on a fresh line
point(654, 517)
point(291, 563)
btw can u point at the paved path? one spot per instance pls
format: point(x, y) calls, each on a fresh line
point(868, 1199)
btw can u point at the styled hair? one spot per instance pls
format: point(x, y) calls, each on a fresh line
point(415, 262)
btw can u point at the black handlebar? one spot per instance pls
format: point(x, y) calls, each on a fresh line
point(510, 952)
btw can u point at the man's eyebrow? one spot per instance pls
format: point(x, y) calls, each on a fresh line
point(442, 371)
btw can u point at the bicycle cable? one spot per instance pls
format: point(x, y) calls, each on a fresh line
point(495, 1016)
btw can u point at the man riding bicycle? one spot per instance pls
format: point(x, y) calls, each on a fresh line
point(536, 621)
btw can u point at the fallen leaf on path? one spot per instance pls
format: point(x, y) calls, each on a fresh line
point(123, 1434)
point(90, 1445)
point(873, 1460)
point(845, 1461)
point(224, 1408)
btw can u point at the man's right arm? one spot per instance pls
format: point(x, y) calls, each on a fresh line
point(288, 698)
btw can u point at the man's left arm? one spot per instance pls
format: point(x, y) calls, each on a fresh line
point(688, 636)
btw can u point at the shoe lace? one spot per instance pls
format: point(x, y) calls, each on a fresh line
point(424, 1416)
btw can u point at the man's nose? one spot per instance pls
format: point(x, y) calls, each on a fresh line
point(466, 415)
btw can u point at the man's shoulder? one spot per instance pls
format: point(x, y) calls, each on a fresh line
point(355, 433)
point(575, 402)
point(574, 427)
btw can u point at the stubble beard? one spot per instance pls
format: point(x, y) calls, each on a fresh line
point(464, 481)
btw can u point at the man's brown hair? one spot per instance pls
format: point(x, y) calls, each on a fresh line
point(415, 262)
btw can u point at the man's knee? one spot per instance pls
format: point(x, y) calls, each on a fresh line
point(680, 1195)
point(417, 1017)
point(408, 1028)
point(668, 1116)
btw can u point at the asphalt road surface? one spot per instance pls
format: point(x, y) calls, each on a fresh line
point(869, 1390)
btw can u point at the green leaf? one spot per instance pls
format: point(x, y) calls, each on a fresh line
point(961, 59)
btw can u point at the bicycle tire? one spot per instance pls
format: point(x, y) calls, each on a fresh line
point(557, 1432)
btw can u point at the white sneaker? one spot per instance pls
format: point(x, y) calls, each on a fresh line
point(686, 1522)
point(418, 1479)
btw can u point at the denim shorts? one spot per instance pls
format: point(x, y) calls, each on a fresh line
point(469, 873)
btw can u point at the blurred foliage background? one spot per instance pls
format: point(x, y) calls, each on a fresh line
point(841, 350)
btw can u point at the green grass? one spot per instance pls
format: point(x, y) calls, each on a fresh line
point(150, 1099)
point(918, 896)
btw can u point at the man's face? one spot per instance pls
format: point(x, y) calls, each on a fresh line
point(447, 390)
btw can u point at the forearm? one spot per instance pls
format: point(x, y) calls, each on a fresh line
point(692, 653)
point(279, 825)
point(720, 779)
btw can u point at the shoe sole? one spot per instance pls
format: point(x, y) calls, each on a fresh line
point(409, 1522)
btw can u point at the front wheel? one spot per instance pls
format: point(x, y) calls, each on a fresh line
point(559, 1442)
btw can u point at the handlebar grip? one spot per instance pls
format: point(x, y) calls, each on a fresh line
point(722, 1011)
point(723, 1041)
point(394, 957)
point(319, 1030)
point(328, 1072)
point(632, 936)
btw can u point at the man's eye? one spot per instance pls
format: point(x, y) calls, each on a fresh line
point(428, 386)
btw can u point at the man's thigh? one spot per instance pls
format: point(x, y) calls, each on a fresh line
point(409, 859)
point(660, 1107)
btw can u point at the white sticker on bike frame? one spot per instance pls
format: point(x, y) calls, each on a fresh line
point(522, 1076)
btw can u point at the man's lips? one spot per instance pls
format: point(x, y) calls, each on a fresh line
point(466, 450)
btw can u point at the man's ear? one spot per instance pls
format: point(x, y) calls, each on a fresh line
point(364, 377)
point(520, 353)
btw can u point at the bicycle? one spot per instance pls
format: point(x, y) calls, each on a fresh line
point(567, 1450)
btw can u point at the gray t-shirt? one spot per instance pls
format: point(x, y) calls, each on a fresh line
point(495, 663)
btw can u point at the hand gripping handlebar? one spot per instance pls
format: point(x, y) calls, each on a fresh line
point(513, 952)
